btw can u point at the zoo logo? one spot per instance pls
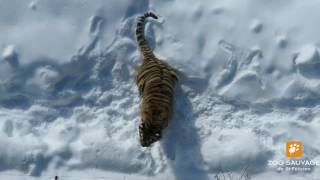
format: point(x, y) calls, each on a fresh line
point(294, 149)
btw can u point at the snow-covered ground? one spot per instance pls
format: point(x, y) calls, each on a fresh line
point(250, 82)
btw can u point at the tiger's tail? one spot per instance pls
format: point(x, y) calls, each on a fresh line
point(142, 42)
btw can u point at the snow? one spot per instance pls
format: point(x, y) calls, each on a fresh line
point(8, 52)
point(256, 26)
point(69, 106)
point(33, 5)
point(308, 55)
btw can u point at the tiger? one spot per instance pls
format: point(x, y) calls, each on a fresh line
point(156, 81)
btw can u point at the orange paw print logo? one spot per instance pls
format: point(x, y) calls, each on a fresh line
point(294, 149)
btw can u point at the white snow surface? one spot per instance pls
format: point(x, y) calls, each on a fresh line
point(69, 106)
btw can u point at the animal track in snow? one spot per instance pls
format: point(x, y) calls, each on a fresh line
point(241, 73)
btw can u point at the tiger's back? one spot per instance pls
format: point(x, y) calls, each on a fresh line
point(156, 82)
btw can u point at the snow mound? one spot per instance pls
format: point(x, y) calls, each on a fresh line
point(308, 55)
point(256, 26)
point(308, 61)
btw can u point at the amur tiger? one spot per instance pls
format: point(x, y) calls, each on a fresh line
point(156, 82)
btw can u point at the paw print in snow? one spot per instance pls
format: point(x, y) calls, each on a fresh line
point(294, 148)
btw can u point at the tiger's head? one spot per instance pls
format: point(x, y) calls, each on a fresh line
point(148, 135)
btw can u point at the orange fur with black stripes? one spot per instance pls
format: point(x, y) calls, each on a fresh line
point(156, 82)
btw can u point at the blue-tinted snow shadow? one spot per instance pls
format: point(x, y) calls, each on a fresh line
point(181, 142)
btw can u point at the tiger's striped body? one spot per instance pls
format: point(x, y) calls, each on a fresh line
point(156, 82)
